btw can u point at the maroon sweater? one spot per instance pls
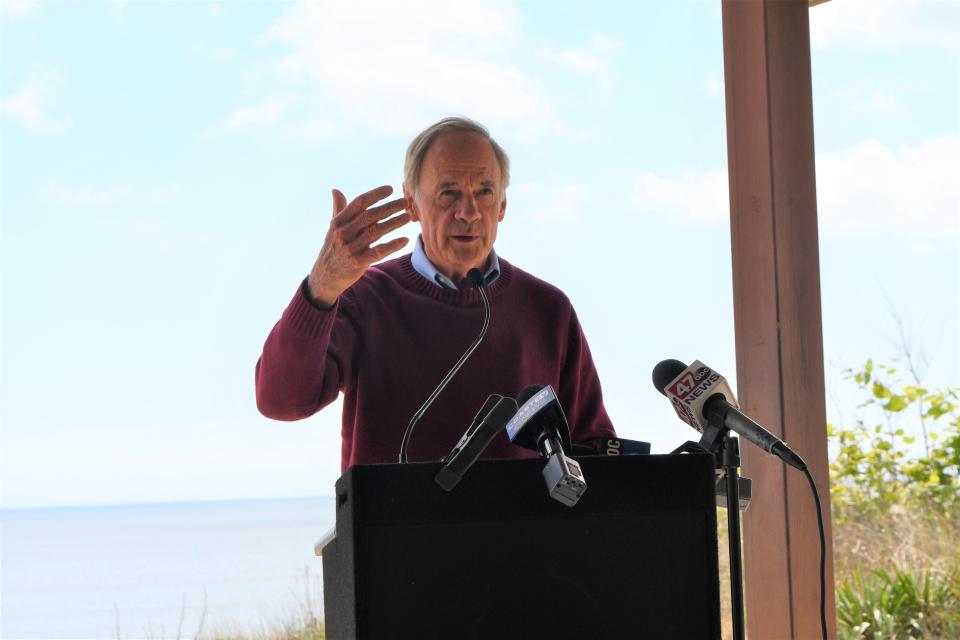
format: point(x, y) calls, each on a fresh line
point(391, 338)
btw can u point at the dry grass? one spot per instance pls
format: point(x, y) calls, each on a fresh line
point(907, 539)
point(303, 620)
point(897, 575)
point(308, 630)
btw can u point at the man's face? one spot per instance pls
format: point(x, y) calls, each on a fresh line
point(459, 202)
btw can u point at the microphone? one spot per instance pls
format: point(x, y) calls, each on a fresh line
point(540, 425)
point(702, 397)
point(489, 421)
point(475, 278)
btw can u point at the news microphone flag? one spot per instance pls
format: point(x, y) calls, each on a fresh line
point(690, 390)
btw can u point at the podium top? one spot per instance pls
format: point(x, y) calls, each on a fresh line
point(514, 489)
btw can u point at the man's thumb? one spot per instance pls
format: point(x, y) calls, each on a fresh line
point(339, 201)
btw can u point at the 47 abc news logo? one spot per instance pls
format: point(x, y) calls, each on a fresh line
point(688, 387)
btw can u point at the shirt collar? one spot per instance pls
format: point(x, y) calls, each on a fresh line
point(425, 268)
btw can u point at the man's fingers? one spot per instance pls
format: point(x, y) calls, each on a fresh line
point(371, 233)
point(355, 226)
point(359, 204)
point(339, 202)
point(381, 251)
point(380, 212)
point(363, 225)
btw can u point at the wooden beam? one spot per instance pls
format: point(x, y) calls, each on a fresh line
point(776, 285)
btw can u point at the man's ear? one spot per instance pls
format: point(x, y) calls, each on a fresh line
point(410, 204)
point(503, 208)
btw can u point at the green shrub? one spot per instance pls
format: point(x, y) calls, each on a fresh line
point(895, 494)
point(872, 470)
point(899, 604)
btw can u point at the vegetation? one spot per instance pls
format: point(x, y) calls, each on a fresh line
point(895, 492)
point(300, 630)
point(899, 605)
point(304, 620)
point(873, 473)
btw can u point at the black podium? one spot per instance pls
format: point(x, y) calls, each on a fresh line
point(497, 558)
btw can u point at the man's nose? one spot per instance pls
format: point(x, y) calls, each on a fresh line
point(468, 210)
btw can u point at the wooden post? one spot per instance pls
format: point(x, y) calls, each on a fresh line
point(776, 287)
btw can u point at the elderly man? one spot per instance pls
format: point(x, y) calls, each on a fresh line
point(385, 335)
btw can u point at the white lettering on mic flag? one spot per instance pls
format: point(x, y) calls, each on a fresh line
point(689, 391)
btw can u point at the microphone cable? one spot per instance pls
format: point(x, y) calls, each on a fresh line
point(823, 556)
point(475, 278)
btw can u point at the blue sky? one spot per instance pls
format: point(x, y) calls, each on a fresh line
point(165, 171)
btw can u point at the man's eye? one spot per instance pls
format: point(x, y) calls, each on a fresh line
point(486, 191)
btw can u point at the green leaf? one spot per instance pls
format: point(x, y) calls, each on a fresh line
point(896, 404)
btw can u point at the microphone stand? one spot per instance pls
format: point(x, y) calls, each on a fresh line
point(726, 454)
point(730, 462)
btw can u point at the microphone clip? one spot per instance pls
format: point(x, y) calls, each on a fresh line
point(489, 421)
point(725, 449)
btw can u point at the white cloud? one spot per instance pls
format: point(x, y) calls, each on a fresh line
point(870, 188)
point(882, 102)
point(860, 102)
point(283, 111)
point(699, 196)
point(884, 23)
point(714, 86)
point(314, 129)
point(224, 53)
point(589, 61)
point(30, 104)
point(12, 9)
point(85, 195)
point(266, 113)
point(412, 60)
point(82, 195)
point(215, 53)
point(555, 203)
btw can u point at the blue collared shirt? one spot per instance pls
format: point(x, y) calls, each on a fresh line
point(425, 268)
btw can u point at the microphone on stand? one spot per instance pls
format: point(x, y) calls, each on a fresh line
point(474, 279)
point(702, 397)
point(540, 425)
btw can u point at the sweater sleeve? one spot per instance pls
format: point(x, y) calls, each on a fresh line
point(579, 390)
point(306, 360)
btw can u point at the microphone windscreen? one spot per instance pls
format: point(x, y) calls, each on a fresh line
point(528, 392)
point(665, 372)
point(475, 278)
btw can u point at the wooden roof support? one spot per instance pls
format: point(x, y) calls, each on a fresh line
point(776, 287)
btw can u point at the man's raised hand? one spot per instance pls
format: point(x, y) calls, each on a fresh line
point(349, 246)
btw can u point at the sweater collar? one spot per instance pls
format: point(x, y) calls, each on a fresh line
point(424, 267)
point(414, 281)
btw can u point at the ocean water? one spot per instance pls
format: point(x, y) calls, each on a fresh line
point(161, 570)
